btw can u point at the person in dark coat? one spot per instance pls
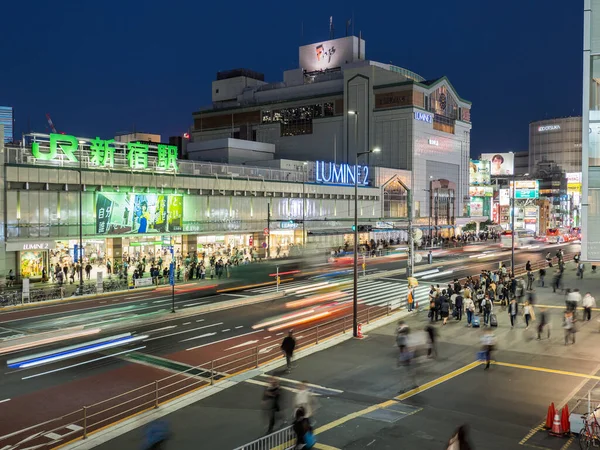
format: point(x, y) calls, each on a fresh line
point(287, 346)
point(444, 307)
point(431, 337)
point(459, 306)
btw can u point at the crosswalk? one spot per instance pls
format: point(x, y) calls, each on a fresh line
point(375, 292)
point(383, 293)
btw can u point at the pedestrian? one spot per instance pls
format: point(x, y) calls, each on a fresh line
point(580, 270)
point(431, 310)
point(305, 438)
point(488, 342)
point(11, 278)
point(438, 307)
point(470, 309)
point(487, 307)
point(528, 313)
point(431, 337)
point(287, 346)
point(402, 339)
point(513, 310)
point(156, 435)
point(569, 327)
point(305, 400)
point(444, 308)
point(271, 398)
point(460, 439)
point(541, 274)
point(459, 306)
point(88, 270)
point(572, 299)
point(543, 322)
point(528, 266)
point(588, 303)
point(530, 278)
point(410, 299)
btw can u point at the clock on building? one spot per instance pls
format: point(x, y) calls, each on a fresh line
point(443, 101)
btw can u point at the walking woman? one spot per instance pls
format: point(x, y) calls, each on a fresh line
point(528, 314)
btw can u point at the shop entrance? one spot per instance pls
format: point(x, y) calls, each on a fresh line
point(151, 250)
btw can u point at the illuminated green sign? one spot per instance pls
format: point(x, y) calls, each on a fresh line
point(102, 152)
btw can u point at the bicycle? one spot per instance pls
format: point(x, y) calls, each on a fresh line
point(589, 435)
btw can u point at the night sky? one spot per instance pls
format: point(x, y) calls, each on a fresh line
point(104, 67)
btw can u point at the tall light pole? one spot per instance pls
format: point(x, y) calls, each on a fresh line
point(512, 226)
point(80, 256)
point(355, 264)
point(304, 206)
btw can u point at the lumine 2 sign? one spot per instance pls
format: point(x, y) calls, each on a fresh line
point(341, 173)
point(102, 152)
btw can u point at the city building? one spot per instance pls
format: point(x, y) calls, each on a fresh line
point(136, 136)
point(557, 141)
point(136, 204)
point(7, 119)
point(590, 167)
point(522, 163)
point(337, 103)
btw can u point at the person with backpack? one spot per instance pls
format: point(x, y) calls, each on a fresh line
point(487, 307)
point(305, 438)
point(470, 310)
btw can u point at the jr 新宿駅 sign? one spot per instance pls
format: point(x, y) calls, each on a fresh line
point(342, 174)
point(102, 152)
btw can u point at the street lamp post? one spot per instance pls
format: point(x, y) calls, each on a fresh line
point(80, 256)
point(304, 206)
point(355, 263)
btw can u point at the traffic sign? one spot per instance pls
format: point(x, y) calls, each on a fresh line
point(266, 231)
point(264, 245)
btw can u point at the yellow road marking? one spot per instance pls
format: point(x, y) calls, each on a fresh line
point(543, 369)
point(569, 442)
point(437, 381)
point(404, 396)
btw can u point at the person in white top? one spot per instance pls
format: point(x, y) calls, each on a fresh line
point(588, 303)
point(305, 400)
point(573, 298)
point(470, 309)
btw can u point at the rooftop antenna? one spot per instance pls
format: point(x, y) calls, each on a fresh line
point(331, 31)
point(359, 42)
point(348, 24)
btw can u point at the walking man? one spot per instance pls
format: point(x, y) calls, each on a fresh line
point(543, 323)
point(287, 346)
point(488, 342)
point(588, 303)
point(486, 305)
point(459, 306)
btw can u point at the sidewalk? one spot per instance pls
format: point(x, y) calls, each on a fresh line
point(365, 404)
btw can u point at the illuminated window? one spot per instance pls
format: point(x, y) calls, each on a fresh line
point(298, 120)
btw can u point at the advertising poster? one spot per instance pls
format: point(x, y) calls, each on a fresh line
point(481, 191)
point(504, 197)
point(476, 207)
point(501, 163)
point(479, 172)
point(118, 213)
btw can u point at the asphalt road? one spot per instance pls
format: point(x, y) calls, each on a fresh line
point(188, 341)
point(366, 400)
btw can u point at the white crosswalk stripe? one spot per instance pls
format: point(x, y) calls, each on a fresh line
point(282, 286)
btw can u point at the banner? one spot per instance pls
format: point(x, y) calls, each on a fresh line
point(476, 207)
point(501, 163)
point(118, 213)
point(479, 172)
point(481, 191)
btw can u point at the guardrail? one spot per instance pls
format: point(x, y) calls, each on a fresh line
point(283, 439)
point(91, 418)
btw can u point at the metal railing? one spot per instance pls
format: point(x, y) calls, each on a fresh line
point(88, 419)
point(284, 439)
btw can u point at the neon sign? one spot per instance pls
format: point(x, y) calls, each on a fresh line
point(102, 152)
point(332, 173)
point(423, 117)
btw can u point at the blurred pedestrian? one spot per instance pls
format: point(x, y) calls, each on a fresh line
point(513, 310)
point(305, 400)
point(305, 438)
point(569, 327)
point(460, 439)
point(288, 346)
point(431, 338)
point(588, 303)
point(541, 274)
point(543, 323)
point(271, 398)
point(488, 343)
point(156, 435)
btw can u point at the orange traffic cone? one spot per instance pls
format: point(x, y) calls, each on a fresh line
point(550, 416)
point(359, 331)
point(564, 420)
point(556, 427)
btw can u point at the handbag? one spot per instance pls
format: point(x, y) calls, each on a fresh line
point(309, 439)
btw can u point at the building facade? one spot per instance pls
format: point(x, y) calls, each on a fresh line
point(7, 119)
point(135, 204)
point(556, 141)
point(590, 207)
point(337, 104)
